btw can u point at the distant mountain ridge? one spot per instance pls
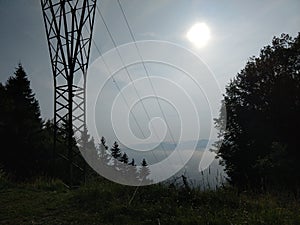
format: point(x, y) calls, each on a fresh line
point(191, 169)
point(200, 145)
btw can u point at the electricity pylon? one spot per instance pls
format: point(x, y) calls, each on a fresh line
point(69, 26)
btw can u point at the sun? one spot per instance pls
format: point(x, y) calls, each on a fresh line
point(199, 34)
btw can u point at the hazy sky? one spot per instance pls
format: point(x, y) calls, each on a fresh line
point(239, 29)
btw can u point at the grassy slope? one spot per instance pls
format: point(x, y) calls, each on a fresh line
point(103, 202)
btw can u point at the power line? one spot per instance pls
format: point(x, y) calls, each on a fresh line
point(117, 86)
point(119, 89)
point(122, 61)
point(147, 73)
point(122, 94)
point(115, 82)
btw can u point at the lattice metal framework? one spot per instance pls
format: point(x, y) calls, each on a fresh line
point(69, 26)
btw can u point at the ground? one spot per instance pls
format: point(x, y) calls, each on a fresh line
point(102, 202)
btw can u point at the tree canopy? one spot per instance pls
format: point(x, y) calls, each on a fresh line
point(260, 145)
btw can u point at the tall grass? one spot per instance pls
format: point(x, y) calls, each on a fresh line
point(103, 202)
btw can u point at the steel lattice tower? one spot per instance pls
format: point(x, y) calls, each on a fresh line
point(69, 26)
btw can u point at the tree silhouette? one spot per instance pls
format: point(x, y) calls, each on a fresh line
point(103, 152)
point(103, 142)
point(132, 163)
point(115, 151)
point(124, 158)
point(262, 102)
point(21, 127)
point(89, 152)
point(132, 173)
point(144, 173)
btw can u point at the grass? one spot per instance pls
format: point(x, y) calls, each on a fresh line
point(102, 202)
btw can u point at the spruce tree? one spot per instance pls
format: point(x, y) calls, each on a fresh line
point(103, 153)
point(124, 158)
point(115, 151)
point(144, 173)
point(21, 127)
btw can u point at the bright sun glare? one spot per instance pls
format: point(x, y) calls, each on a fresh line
point(199, 34)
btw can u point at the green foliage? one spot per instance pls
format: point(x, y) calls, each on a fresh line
point(260, 147)
point(104, 202)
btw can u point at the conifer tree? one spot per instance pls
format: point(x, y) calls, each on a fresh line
point(21, 127)
point(124, 158)
point(103, 153)
point(115, 151)
point(144, 172)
